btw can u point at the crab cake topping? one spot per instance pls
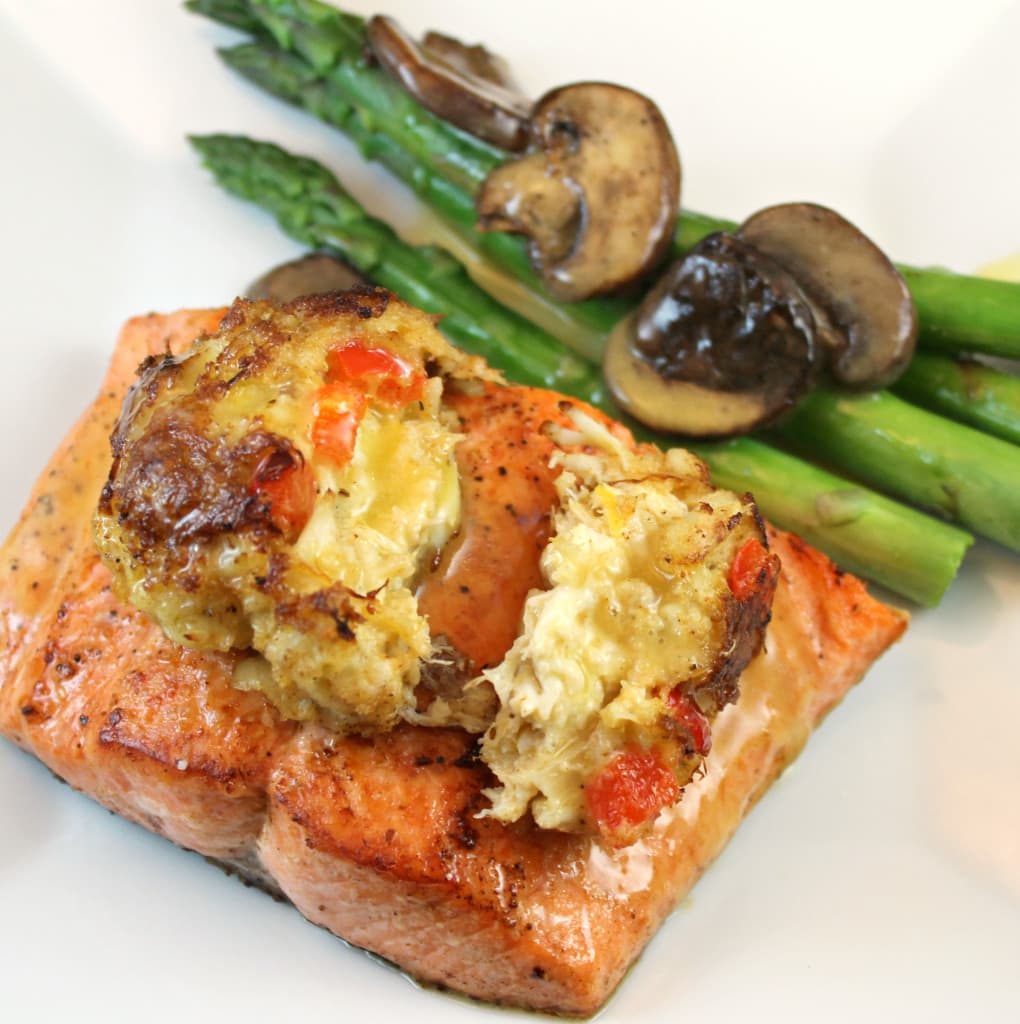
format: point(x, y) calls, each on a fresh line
point(659, 589)
point(282, 487)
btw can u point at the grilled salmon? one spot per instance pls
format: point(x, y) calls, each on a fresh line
point(379, 838)
point(393, 533)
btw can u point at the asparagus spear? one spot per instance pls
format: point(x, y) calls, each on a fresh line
point(958, 313)
point(931, 461)
point(961, 314)
point(908, 552)
point(966, 390)
point(858, 528)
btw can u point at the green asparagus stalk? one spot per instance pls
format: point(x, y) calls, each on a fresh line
point(235, 13)
point(906, 551)
point(857, 528)
point(961, 314)
point(933, 462)
point(966, 390)
point(958, 313)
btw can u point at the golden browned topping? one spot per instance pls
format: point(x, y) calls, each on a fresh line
point(282, 487)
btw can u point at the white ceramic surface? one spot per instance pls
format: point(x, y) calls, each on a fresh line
point(880, 878)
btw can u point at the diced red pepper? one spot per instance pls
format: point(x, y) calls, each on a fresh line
point(289, 490)
point(355, 374)
point(392, 380)
point(687, 713)
point(630, 791)
point(750, 569)
point(339, 409)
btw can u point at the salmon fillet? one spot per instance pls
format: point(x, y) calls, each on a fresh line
point(378, 840)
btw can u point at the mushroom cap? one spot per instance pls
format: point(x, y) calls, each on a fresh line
point(470, 59)
point(597, 193)
point(722, 345)
point(313, 274)
point(449, 86)
point(863, 307)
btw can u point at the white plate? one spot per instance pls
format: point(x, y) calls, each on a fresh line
point(880, 879)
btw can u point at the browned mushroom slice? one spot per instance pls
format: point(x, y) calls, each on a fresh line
point(473, 60)
point(723, 344)
point(485, 108)
point(308, 275)
point(872, 322)
point(597, 193)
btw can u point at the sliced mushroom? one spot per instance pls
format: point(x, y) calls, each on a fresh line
point(473, 102)
point(866, 315)
point(597, 193)
point(723, 344)
point(473, 60)
point(308, 275)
